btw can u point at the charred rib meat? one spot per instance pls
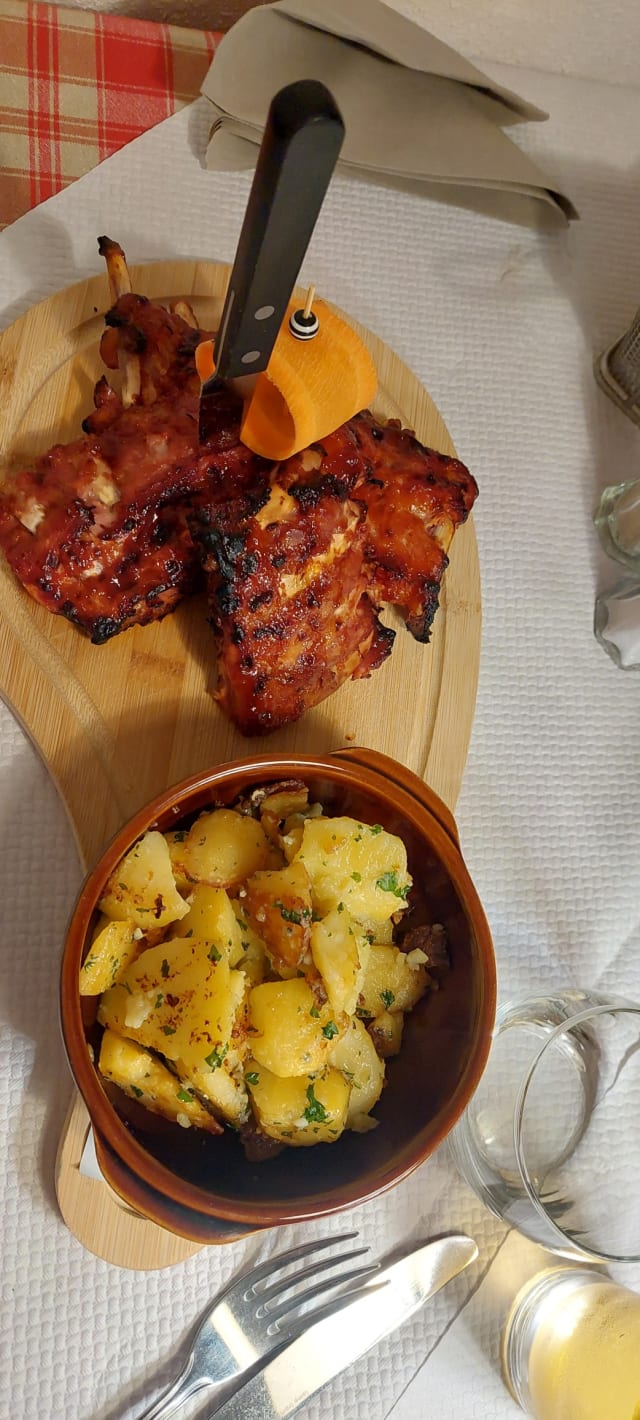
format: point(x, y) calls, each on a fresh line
point(298, 558)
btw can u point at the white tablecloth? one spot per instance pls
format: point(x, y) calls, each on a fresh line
point(501, 325)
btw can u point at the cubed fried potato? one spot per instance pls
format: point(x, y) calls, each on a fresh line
point(391, 982)
point(276, 807)
point(377, 931)
point(340, 953)
point(362, 867)
point(299, 1111)
point(177, 1001)
point(386, 1033)
point(175, 840)
point(223, 848)
point(113, 947)
point(144, 1077)
point(142, 888)
point(211, 919)
point(292, 830)
point(223, 1086)
point(254, 961)
point(279, 905)
point(288, 1031)
point(354, 1054)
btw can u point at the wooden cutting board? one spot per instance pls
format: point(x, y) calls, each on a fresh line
point(115, 724)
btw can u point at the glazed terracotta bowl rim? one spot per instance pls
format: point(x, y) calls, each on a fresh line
point(374, 771)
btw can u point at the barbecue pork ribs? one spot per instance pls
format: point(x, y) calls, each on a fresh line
point(115, 528)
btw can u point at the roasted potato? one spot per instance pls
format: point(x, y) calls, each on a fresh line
point(279, 805)
point(288, 1031)
point(354, 1054)
point(176, 1000)
point(222, 1085)
point(223, 848)
point(113, 947)
point(144, 1077)
point(142, 889)
point(362, 867)
point(175, 840)
point(301, 1110)
point(254, 961)
point(211, 919)
point(340, 952)
point(390, 982)
point(386, 1033)
point(279, 906)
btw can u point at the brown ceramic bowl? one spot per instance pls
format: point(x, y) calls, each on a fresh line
point(201, 1186)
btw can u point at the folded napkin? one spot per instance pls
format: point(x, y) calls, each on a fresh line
point(417, 114)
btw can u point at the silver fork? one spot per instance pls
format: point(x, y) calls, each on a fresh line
point(257, 1315)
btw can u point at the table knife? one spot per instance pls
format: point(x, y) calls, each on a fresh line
point(299, 150)
point(339, 1339)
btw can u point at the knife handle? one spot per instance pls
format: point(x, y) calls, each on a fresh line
point(299, 149)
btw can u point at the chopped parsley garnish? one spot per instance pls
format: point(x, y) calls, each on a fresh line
point(314, 1012)
point(189, 933)
point(290, 915)
point(330, 1030)
point(315, 1113)
point(138, 1093)
point(90, 961)
point(214, 954)
point(387, 998)
point(341, 907)
point(179, 835)
point(164, 969)
point(376, 828)
point(215, 1059)
point(252, 1077)
point(186, 1096)
point(357, 877)
point(123, 887)
point(159, 1000)
point(168, 1030)
point(388, 882)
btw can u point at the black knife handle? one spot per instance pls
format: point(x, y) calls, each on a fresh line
point(301, 143)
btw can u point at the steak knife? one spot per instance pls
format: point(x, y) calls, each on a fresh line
point(299, 150)
point(339, 1339)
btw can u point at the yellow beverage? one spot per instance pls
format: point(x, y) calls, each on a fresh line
point(584, 1351)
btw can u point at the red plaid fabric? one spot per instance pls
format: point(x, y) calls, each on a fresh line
point(76, 86)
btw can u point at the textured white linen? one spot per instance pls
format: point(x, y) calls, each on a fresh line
point(501, 325)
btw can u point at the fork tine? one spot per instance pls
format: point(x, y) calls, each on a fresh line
point(282, 1259)
point(292, 1304)
point(293, 1326)
point(304, 1274)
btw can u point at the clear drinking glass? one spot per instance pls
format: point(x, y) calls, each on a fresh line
point(616, 624)
point(571, 1348)
point(551, 1139)
point(617, 519)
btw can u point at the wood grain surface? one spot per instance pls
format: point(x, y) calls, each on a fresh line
point(115, 724)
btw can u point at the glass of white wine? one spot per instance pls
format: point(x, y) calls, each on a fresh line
point(571, 1347)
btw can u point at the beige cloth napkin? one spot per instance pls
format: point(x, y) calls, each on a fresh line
point(417, 114)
